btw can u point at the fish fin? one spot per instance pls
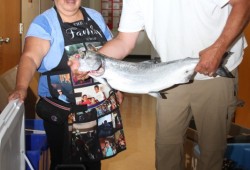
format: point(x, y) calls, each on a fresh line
point(148, 62)
point(222, 70)
point(152, 61)
point(157, 60)
point(158, 95)
point(103, 81)
point(106, 83)
point(163, 96)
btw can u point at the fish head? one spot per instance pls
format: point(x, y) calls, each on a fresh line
point(93, 63)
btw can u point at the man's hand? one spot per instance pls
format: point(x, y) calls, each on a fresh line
point(210, 60)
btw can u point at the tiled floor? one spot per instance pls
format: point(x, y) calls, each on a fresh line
point(138, 115)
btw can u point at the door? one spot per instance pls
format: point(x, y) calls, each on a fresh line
point(242, 116)
point(10, 41)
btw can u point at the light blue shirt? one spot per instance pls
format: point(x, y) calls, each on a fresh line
point(46, 26)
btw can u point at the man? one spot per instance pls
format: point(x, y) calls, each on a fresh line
point(178, 29)
point(189, 28)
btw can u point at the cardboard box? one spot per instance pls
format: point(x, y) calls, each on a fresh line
point(7, 84)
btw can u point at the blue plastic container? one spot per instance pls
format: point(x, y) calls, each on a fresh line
point(35, 143)
point(240, 153)
point(35, 124)
point(34, 158)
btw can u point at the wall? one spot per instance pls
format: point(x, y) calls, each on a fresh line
point(95, 4)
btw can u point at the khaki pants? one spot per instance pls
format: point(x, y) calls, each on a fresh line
point(212, 103)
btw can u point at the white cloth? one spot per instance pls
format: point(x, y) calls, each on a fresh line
point(181, 28)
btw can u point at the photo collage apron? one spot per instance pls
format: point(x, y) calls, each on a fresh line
point(95, 133)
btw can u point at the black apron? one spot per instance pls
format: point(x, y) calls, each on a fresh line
point(95, 126)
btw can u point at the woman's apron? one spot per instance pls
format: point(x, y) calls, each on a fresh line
point(91, 127)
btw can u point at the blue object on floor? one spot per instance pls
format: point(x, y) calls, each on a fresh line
point(237, 152)
point(34, 124)
point(34, 158)
point(36, 143)
point(240, 153)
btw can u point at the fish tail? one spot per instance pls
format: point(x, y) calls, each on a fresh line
point(222, 70)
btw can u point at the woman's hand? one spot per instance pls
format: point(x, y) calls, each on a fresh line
point(20, 94)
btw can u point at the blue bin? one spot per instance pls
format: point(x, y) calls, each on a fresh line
point(240, 153)
point(34, 124)
point(34, 158)
point(35, 143)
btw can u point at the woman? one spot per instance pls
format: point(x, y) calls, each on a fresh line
point(58, 35)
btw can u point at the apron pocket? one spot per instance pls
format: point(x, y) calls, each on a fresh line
point(51, 113)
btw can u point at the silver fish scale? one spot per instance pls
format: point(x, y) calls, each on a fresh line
point(142, 77)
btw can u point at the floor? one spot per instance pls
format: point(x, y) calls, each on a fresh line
point(138, 115)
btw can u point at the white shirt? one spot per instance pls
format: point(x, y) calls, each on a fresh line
point(99, 96)
point(181, 28)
